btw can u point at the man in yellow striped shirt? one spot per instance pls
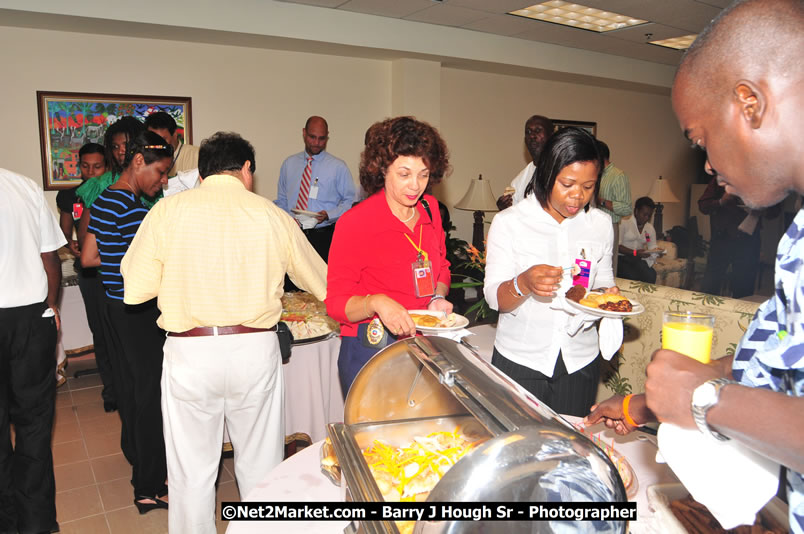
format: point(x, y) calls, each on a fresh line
point(216, 257)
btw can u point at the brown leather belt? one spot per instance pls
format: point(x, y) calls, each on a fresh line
point(222, 331)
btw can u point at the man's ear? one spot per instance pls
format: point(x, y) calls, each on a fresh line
point(752, 102)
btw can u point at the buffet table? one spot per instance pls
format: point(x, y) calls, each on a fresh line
point(299, 478)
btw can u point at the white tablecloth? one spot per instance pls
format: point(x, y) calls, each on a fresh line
point(75, 333)
point(313, 395)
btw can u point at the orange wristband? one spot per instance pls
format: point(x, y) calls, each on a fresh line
point(626, 415)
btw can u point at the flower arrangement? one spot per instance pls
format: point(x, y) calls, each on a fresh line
point(475, 263)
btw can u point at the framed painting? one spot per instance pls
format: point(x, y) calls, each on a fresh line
point(67, 121)
point(590, 127)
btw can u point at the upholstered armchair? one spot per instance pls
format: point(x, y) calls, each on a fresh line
point(670, 270)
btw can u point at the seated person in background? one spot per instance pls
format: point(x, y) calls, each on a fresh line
point(638, 243)
point(183, 174)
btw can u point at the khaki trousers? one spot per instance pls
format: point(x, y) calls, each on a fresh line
point(205, 381)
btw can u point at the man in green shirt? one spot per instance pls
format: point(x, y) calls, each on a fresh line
point(615, 196)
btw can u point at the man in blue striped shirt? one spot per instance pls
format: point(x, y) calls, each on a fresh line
point(329, 192)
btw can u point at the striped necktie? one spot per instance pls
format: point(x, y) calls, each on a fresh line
point(304, 188)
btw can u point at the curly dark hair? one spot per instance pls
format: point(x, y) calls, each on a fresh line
point(401, 136)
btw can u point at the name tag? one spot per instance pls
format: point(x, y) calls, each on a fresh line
point(314, 190)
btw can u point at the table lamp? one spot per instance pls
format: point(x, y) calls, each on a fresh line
point(479, 199)
point(660, 192)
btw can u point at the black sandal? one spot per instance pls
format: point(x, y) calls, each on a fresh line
point(145, 507)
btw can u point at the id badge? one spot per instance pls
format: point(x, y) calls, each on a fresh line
point(314, 190)
point(78, 209)
point(583, 269)
point(423, 278)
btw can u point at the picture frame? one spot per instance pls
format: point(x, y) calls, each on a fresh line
point(590, 127)
point(69, 120)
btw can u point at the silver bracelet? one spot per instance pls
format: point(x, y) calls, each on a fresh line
point(436, 297)
point(516, 287)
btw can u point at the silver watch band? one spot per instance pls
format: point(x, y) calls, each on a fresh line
point(699, 412)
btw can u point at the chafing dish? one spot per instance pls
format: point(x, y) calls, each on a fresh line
point(422, 384)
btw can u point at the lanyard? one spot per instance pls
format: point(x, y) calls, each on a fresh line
point(422, 253)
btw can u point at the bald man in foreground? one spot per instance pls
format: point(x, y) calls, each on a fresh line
point(738, 96)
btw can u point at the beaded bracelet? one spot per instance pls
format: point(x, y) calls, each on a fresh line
point(626, 415)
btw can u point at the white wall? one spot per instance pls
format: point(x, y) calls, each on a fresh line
point(483, 120)
point(267, 94)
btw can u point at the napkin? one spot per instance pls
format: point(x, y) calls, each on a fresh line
point(610, 333)
point(732, 481)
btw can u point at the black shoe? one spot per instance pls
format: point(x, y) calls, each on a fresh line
point(109, 406)
point(145, 507)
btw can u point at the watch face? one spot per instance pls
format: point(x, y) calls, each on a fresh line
point(704, 395)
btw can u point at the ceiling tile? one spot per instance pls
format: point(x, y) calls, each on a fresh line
point(319, 3)
point(493, 6)
point(500, 24)
point(386, 8)
point(447, 15)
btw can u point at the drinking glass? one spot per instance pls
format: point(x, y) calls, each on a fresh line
point(689, 333)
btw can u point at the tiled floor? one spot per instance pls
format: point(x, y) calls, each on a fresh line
point(93, 492)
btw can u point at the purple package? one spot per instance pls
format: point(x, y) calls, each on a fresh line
point(582, 278)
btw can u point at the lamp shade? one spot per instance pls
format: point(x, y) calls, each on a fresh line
point(479, 197)
point(660, 191)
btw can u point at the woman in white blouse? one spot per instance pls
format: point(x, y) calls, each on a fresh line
point(531, 253)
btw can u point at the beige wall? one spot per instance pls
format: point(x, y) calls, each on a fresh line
point(267, 94)
point(483, 120)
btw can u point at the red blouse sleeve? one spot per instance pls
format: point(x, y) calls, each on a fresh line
point(345, 263)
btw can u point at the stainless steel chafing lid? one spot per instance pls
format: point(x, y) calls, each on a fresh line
point(430, 376)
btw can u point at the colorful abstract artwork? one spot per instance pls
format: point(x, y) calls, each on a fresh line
point(67, 121)
point(590, 127)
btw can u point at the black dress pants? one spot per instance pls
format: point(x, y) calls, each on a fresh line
point(136, 355)
point(27, 400)
point(92, 293)
point(632, 268)
point(569, 394)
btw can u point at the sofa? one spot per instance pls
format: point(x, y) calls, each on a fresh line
point(642, 333)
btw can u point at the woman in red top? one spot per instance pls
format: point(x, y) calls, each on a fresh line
point(388, 254)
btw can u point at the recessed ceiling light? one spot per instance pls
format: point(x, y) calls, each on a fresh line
point(577, 16)
point(679, 43)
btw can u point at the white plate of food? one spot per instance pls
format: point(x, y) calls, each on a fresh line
point(304, 212)
point(595, 298)
point(434, 322)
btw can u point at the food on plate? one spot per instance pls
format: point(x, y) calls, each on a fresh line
point(603, 301)
point(576, 293)
point(306, 316)
point(694, 517)
point(434, 321)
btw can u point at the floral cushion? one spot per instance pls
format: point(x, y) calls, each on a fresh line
point(642, 333)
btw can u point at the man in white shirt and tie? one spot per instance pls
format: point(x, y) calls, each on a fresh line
point(315, 187)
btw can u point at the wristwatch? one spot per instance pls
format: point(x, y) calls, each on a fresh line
point(704, 398)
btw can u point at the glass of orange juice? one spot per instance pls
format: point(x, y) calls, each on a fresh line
point(689, 333)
